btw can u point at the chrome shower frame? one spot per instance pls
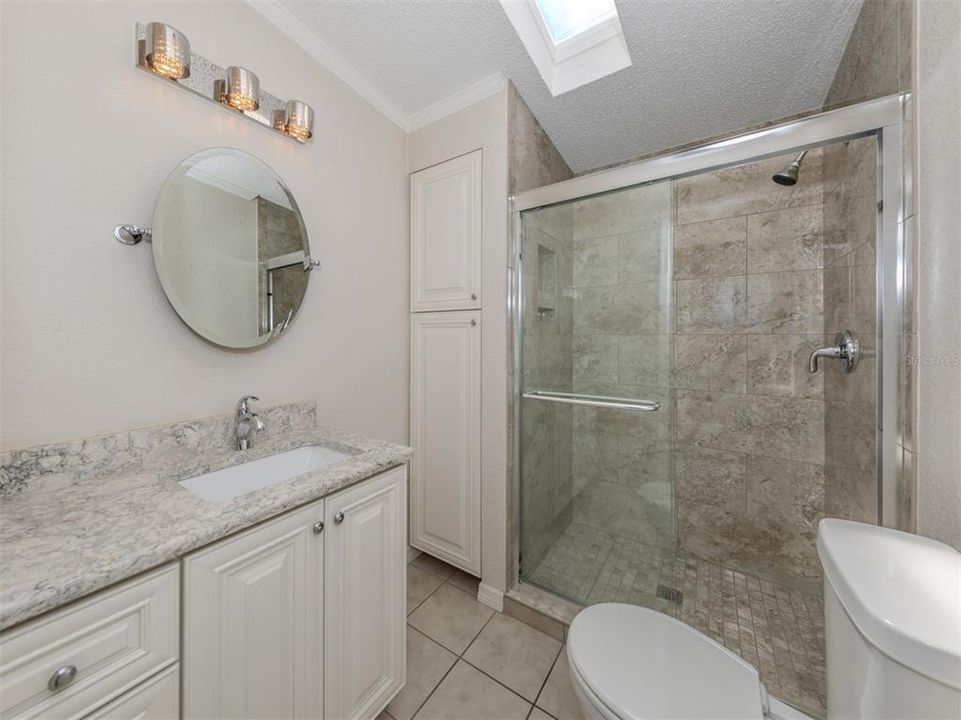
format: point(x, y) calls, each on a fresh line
point(882, 118)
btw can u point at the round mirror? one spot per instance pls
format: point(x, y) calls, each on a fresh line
point(231, 248)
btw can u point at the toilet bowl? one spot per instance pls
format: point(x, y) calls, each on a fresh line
point(631, 663)
point(893, 636)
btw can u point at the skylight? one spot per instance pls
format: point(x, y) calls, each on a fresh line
point(566, 18)
point(572, 42)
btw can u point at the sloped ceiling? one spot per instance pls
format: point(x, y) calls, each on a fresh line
point(701, 68)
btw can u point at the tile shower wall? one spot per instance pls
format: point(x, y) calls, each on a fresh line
point(748, 289)
point(279, 232)
point(547, 428)
point(622, 461)
point(850, 410)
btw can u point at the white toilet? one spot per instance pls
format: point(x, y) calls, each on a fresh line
point(893, 636)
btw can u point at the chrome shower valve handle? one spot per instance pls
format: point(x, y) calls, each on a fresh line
point(847, 350)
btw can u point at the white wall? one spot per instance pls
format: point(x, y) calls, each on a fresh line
point(938, 100)
point(484, 125)
point(89, 343)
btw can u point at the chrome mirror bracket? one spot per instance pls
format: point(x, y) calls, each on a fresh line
point(132, 234)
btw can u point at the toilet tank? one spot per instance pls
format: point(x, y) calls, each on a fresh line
point(892, 612)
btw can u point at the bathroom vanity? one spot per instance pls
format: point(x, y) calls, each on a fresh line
point(285, 601)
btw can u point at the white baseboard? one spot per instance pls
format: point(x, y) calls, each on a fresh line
point(491, 597)
point(412, 552)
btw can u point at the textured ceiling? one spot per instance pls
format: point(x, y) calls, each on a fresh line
point(701, 68)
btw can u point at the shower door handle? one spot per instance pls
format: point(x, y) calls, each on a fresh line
point(847, 349)
point(593, 400)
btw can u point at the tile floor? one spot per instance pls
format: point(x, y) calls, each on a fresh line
point(776, 628)
point(464, 661)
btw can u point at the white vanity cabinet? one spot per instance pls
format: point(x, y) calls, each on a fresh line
point(445, 235)
point(302, 616)
point(74, 661)
point(365, 597)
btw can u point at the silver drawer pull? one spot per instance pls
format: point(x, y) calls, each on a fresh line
point(62, 678)
point(339, 518)
point(318, 527)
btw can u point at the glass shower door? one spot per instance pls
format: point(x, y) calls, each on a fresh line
point(596, 425)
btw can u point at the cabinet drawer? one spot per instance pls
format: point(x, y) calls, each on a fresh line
point(155, 699)
point(114, 640)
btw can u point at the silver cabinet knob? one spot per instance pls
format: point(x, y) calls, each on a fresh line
point(339, 518)
point(473, 296)
point(63, 677)
point(318, 527)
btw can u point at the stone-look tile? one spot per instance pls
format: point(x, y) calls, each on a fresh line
point(427, 663)
point(711, 477)
point(849, 299)
point(432, 565)
point(467, 583)
point(909, 277)
point(710, 249)
point(910, 365)
point(595, 358)
point(850, 223)
point(384, 715)
point(468, 694)
point(595, 261)
point(558, 697)
point(638, 467)
point(852, 439)
point(869, 67)
point(538, 714)
point(850, 494)
point(643, 360)
point(556, 220)
point(746, 189)
point(785, 303)
point(710, 362)
point(789, 239)
point(907, 513)
point(711, 305)
point(639, 255)
point(786, 499)
point(539, 621)
point(514, 654)
point(778, 365)
point(594, 457)
point(533, 159)
point(420, 585)
point(791, 428)
point(623, 211)
point(450, 617)
point(652, 429)
point(625, 512)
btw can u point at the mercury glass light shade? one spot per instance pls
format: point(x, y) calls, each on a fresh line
point(299, 120)
point(242, 89)
point(167, 51)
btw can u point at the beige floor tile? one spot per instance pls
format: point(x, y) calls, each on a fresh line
point(427, 663)
point(465, 582)
point(468, 694)
point(538, 714)
point(451, 617)
point(384, 715)
point(420, 585)
point(514, 654)
point(430, 564)
point(557, 697)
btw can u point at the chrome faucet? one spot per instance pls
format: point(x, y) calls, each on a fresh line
point(247, 422)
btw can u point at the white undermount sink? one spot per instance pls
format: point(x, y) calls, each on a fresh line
point(229, 482)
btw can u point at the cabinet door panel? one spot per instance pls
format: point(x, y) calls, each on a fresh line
point(446, 235)
point(156, 699)
point(253, 629)
point(365, 596)
point(445, 434)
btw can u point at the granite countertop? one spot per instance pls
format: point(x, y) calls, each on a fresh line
point(62, 540)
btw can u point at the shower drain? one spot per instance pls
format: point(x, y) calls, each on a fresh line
point(670, 594)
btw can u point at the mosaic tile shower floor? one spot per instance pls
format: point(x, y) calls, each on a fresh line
point(776, 628)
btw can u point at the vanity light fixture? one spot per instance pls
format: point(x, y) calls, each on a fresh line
point(163, 51)
point(299, 120)
point(167, 51)
point(241, 89)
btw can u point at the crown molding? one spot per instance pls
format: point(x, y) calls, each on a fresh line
point(294, 28)
point(461, 99)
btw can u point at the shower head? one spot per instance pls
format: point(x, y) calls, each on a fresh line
point(788, 176)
